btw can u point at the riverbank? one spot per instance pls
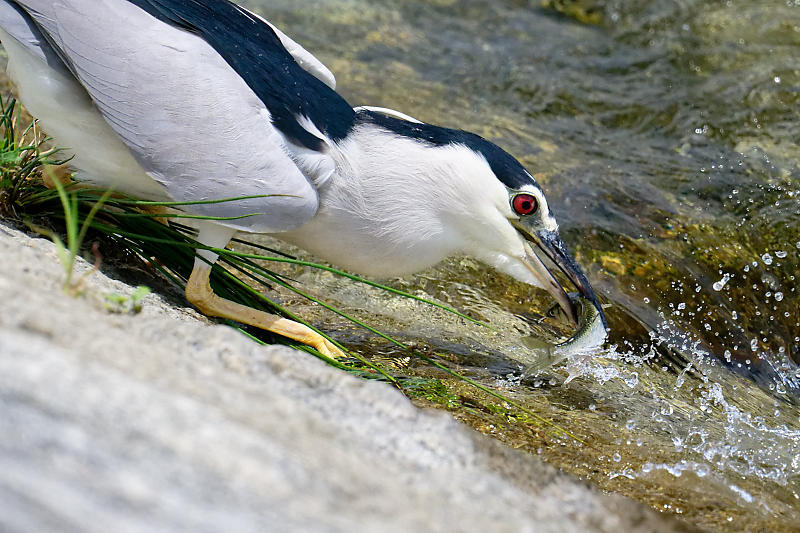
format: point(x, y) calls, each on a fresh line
point(160, 420)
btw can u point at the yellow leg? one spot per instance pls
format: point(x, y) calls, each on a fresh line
point(199, 293)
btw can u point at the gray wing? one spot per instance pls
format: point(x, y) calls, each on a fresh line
point(191, 122)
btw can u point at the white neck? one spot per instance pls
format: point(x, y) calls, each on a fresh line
point(396, 206)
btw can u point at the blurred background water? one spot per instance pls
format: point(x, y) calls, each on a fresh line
point(665, 134)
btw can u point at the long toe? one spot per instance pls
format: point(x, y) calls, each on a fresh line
point(327, 348)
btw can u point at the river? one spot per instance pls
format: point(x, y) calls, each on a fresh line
point(665, 135)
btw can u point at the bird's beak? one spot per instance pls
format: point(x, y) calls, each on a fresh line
point(549, 244)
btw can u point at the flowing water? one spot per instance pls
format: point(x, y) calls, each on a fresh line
point(665, 134)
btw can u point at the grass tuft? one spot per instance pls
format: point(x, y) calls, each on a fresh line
point(23, 156)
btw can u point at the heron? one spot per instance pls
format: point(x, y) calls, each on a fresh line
point(191, 101)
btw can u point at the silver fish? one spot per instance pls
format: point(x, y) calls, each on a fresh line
point(589, 337)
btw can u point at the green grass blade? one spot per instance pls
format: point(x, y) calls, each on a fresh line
point(143, 203)
point(186, 216)
point(351, 277)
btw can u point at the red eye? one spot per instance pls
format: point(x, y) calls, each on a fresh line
point(524, 204)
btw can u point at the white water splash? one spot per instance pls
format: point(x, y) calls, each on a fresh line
point(719, 285)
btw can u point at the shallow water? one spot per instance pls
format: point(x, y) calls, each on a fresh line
point(666, 137)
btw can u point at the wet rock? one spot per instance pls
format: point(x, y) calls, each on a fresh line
point(159, 420)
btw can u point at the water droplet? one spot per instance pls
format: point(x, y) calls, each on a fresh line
point(681, 306)
point(753, 345)
point(778, 296)
point(734, 315)
point(631, 380)
point(743, 494)
point(617, 457)
point(767, 258)
point(781, 254)
point(719, 285)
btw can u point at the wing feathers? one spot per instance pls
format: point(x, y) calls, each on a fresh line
point(190, 121)
point(255, 51)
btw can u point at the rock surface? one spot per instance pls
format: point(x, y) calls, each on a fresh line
point(161, 421)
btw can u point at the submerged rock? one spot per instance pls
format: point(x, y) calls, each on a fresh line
point(161, 421)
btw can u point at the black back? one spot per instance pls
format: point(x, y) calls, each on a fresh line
point(507, 169)
point(255, 52)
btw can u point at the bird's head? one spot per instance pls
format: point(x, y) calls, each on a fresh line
point(406, 195)
point(492, 203)
point(512, 227)
point(536, 228)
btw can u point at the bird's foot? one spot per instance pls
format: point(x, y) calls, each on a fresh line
point(302, 333)
point(199, 293)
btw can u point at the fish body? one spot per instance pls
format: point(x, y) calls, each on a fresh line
point(586, 341)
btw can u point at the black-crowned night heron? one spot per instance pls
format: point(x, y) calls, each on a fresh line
point(196, 100)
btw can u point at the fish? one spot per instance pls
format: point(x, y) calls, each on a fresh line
point(586, 341)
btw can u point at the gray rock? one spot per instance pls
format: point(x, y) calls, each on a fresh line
point(162, 421)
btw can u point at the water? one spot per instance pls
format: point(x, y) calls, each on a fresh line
point(666, 137)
